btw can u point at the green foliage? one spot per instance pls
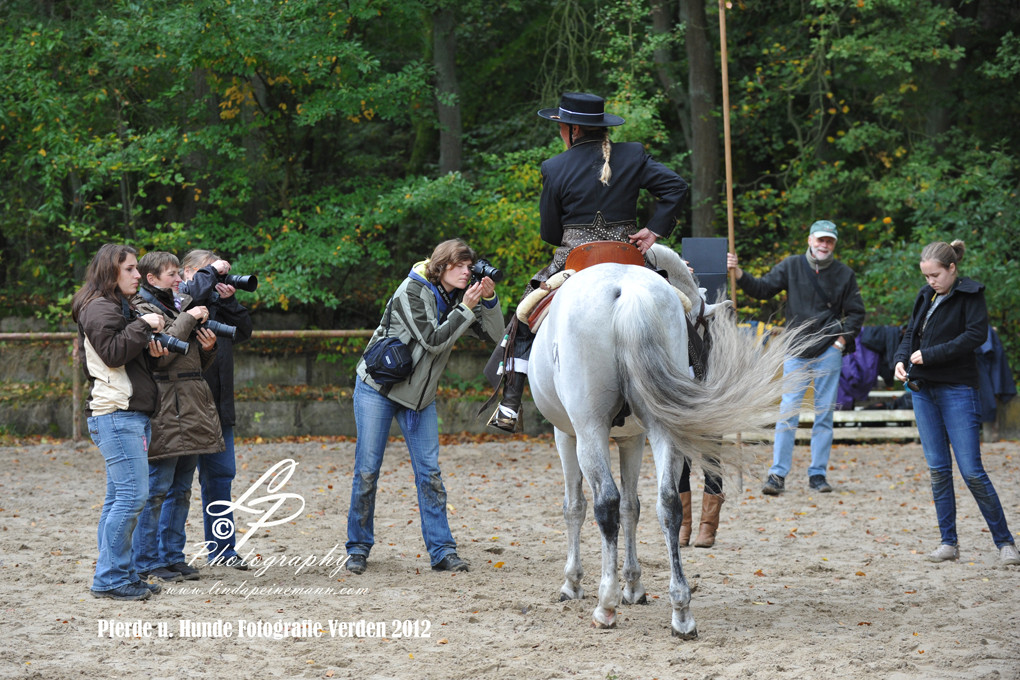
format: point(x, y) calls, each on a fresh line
point(951, 189)
point(281, 133)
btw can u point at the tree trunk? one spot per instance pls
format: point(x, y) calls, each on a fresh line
point(447, 91)
point(704, 130)
point(666, 66)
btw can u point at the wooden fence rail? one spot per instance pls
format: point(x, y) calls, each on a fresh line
point(76, 373)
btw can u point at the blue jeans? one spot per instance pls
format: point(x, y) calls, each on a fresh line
point(123, 439)
point(950, 415)
point(215, 474)
point(159, 537)
point(373, 415)
point(826, 369)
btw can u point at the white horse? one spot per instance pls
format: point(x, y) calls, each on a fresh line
point(615, 334)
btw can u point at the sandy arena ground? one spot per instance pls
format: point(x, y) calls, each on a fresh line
point(799, 586)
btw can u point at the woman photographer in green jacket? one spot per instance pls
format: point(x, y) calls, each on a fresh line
point(431, 308)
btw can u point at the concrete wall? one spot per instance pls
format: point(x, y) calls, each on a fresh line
point(24, 363)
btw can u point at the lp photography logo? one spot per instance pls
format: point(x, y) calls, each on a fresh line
point(268, 511)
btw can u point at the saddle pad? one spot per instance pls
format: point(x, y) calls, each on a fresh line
point(598, 252)
point(527, 310)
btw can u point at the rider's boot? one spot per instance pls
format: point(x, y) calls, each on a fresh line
point(507, 414)
point(711, 503)
point(685, 525)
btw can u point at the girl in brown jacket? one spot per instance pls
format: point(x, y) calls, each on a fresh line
point(122, 396)
point(185, 426)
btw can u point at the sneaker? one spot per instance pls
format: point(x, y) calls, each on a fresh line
point(154, 588)
point(1009, 555)
point(357, 564)
point(131, 591)
point(504, 419)
point(184, 569)
point(162, 574)
point(945, 553)
point(818, 483)
point(774, 485)
point(451, 563)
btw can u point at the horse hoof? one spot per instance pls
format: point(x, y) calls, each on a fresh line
point(603, 620)
point(640, 600)
point(571, 595)
point(691, 634)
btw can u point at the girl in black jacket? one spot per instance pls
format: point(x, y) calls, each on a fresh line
point(936, 359)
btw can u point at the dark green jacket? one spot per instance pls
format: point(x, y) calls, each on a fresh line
point(418, 320)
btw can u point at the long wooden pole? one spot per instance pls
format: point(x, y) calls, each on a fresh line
point(724, 58)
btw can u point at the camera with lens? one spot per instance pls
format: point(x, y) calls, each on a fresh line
point(222, 330)
point(173, 344)
point(247, 282)
point(914, 384)
point(482, 268)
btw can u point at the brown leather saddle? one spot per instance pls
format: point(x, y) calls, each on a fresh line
point(589, 255)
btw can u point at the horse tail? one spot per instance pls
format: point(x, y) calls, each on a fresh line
point(740, 394)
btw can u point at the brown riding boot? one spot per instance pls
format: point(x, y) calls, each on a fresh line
point(710, 505)
point(685, 525)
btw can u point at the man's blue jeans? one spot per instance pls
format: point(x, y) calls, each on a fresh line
point(159, 537)
point(373, 415)
point(123, 439)
point(826, 370)
point(949, 415)
point(215, 474)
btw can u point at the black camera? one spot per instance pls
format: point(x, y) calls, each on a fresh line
point(223, 330)
point(173, 344)
point(482, 268)
point(914, 384)
point(248, 283)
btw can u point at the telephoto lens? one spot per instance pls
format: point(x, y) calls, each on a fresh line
point(222, 330)
point(173, 344)
point(249, 282)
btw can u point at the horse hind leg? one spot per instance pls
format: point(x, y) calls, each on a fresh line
point(631, 449)
point(606, 500)
point(574, 509)
point(670, 511)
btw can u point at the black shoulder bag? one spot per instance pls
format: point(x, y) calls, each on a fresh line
point(388, 361)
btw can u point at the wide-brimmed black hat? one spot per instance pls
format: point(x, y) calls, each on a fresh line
point(581, 108)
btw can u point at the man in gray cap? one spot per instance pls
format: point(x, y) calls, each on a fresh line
point(823, 295)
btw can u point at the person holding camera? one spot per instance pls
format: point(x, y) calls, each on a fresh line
point(430, 309)
point(589, 193)
point(185, 426)
point(122, 397)
point(936, 359)
point(205, 276)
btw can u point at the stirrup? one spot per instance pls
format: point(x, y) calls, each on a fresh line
point(504, 421)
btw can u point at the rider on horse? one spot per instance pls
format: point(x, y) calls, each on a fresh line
point(589, 193)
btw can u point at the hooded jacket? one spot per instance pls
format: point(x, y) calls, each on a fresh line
point(423, 321)
point(115, 359)
point(186, 422)
point(957, 327)
point(804, 305)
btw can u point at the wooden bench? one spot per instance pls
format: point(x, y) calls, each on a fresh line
point(866, 425)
